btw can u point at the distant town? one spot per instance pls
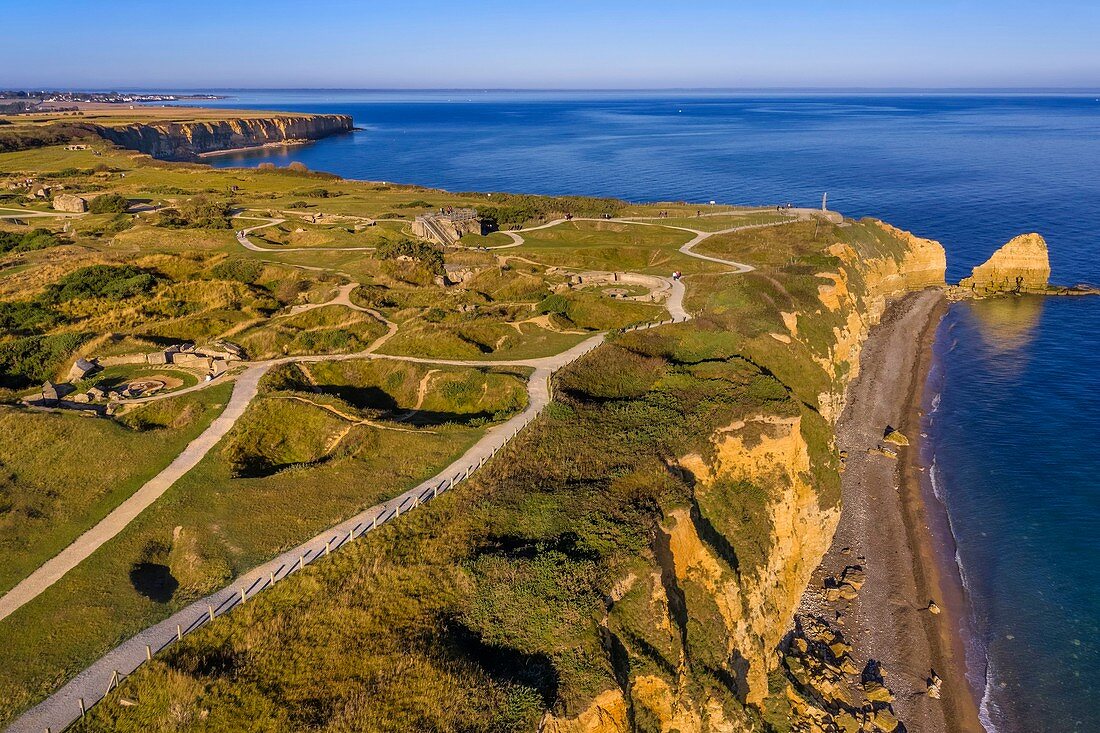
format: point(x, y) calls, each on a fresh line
point(16, 101)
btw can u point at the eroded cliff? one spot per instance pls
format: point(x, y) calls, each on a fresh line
point(186, 140)
point(1020, 266)
point(732, 565)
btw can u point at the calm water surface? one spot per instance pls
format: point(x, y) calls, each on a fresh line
point(1016, 429)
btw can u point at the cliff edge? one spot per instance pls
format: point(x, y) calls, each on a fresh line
point(169, 140)
point(1020, 266)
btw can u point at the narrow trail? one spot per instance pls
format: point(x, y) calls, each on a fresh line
point(242, 237)
point(64, 706)
point(421, 393)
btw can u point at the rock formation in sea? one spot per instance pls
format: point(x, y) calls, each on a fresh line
point(1020, 266)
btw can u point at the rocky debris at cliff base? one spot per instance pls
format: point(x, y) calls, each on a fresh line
point(895, 436)
point(934, 685)
point(827, 692)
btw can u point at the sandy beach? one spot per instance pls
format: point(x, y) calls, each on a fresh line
point(885, 529)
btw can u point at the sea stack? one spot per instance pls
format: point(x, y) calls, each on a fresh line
point(1020, 266)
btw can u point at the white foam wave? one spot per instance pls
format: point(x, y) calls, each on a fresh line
point(987, 708)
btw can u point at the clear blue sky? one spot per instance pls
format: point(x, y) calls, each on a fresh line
point(540, 44)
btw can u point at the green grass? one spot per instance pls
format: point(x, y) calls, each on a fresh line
point(495, 590)
point(511, 593)
point(718, 223)
point(62, 473)
point(238, 523)
point(495, 341)
point(606, 245)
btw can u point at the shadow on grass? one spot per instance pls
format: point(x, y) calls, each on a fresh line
point(502, 663)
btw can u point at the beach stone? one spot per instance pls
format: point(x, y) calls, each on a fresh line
point(894, 436)
point(877, 692)
point(885, 721)
point(933, 608)
point(855, 576)
point(846, 722)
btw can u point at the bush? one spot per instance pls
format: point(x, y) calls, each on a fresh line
point(238, 269)
point(423, 252)
point(34, 359)
point(28, 241)
point(199, 212)
point(101, 281)
point(26, 317)
point(109, 203)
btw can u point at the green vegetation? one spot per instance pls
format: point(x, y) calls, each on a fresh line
point(34, 359)
point(27, 241)
point(101, 281)
point(546, 580)
point(236, 522)
point(109, 203)
point(514, 211)
point(198, 212)
point(60, 474)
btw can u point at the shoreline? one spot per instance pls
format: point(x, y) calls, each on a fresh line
point(886, 530)
point(934, 560)
point(254, 148)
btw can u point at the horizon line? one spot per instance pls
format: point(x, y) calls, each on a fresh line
point(167, 89)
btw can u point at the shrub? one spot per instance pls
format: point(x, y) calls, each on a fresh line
point(426, 254)
point(109, 203)
point(26, 317)
point(28, 241)
point(34, 359)
point(239, 269)
point(101, 281)
point(198, 212)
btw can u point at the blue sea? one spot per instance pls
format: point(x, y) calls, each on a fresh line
point(1013, 418)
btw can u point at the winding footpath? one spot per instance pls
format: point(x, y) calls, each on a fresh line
point(64, 706)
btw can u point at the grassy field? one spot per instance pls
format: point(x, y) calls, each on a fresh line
point(62, 473)
point(290, 467)
point(717, 223)
point(610, 246)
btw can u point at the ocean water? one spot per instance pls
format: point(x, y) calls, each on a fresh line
point(1015, 431)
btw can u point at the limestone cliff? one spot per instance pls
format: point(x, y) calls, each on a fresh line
point(1021, 265)
point(186, 140)
point(733, 565)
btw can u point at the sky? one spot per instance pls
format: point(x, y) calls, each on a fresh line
point(560, 44)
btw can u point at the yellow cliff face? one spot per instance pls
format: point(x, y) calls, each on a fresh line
point(1021, 265)
point(922, 264)
point(185, 140)
point(732, 566)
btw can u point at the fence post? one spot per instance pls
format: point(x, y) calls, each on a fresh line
point(328, 546)
point(179, 633)
point(397, 511)
point(210, 608)
point(301, 562)
point(83, 710)
point(243, 598)
point(272, 576)
point(148, 653)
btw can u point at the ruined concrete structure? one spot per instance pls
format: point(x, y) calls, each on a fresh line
point(448, 225)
